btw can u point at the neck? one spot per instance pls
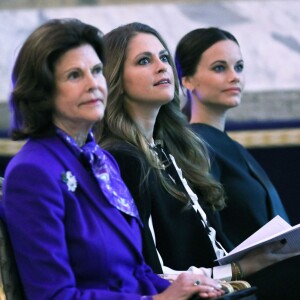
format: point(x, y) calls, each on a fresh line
point(80, 138)
point(209, 115)
point(144, 118)
point(79, 134)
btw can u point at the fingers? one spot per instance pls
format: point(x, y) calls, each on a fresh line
point(283, 256)
point(205, 286)
point(188, 284)
point(206, 291)
point(264, 256)
point(276, 248)
point(197, 282)
point(204, 281)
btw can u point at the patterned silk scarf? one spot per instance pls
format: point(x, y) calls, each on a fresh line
point(109, 179)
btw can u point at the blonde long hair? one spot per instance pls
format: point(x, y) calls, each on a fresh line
point(171, 126)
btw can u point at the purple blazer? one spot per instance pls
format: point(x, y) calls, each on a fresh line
point(70, 245)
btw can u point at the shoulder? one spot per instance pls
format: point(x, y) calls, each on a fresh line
point(214, 138)
point(205, 130)
point(125, 152)
point(37, 157)
point(37, 151)
point(118, 145)
point(131, 161)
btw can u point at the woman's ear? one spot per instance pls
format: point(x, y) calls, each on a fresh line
point(187, 82)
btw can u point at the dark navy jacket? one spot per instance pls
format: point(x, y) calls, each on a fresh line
point(252, 200)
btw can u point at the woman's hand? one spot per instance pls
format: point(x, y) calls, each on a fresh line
point(187, 285)
point(263, 257)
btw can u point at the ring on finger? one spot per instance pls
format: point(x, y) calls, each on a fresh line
point(197, 282)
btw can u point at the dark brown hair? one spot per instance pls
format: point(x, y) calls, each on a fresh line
point(190, 49)
point(171, 127)
point(31, 99)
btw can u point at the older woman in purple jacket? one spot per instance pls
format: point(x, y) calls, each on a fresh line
point(75, 230)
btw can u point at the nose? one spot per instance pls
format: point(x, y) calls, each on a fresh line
point(96, 83)
point(92, 82)
point(234, 76)
point(161, 66)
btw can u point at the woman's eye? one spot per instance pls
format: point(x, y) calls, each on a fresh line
point(165, 58)
point(239, 67)
point(144, 61)
point(73, 75)
point(219, 68)
point(97, 70)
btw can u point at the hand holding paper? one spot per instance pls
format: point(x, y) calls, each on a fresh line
point(275, 230)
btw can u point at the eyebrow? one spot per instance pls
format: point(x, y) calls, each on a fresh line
point(225, 62)
point(164, 51)
point(148, 53)
point(100, 64)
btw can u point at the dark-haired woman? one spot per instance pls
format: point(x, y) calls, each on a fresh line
point(74, 227)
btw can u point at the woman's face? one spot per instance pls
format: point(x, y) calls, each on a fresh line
point(219, 78)
point(148, 76)
point(81, 90)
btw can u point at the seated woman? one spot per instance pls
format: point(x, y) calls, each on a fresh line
point(165, 167)
point(211, 68)
point(74, 227)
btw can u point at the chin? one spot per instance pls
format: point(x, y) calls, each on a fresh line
point(96, 118)
point(169, 98)
point(166, 101)
point(234, 102)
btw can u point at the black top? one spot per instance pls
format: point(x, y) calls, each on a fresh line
point(181, 238)
point(180, 235)
point(252, 198)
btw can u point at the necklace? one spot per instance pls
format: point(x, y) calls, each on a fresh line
point(151, 143)
point(161, 157)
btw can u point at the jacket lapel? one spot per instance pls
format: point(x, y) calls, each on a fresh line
point(90, 187)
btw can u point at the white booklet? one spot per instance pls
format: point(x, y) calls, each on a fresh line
point(275, 230)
